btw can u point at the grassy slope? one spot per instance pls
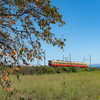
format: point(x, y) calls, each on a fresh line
point(70, 86)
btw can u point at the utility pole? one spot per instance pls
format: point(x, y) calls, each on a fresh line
point(70, 58)
point(84, 59)
point(90, 59)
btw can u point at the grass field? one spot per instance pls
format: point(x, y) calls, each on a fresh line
point(66, 86)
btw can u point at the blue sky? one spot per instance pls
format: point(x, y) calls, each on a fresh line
point(82, 31)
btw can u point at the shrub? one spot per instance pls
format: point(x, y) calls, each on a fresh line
point(66, 69)
point(93, 68)
point(27, 70)
point(59, 69)
point(80, 69)
point(48, 70)
point(44, 70)
point(73, 69)
point(37, 70)
point(89, 69)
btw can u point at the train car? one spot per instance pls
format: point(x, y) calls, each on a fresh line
point(67, 64)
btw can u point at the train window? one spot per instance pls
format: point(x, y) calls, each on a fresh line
point(61, 63)
point(50, 62)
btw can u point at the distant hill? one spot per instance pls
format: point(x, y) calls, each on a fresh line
point(94, 65)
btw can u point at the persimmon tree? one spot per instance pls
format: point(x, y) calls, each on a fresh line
point(23, 24)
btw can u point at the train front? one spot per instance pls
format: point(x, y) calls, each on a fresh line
point(50, 62)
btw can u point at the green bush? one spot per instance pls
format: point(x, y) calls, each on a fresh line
point(80, 69)
point(37, 70)
point(59, 70)
point(69, 70)
point(96, 68)
point(27, 70)
point(66, 69)
point(51, 70)
point(48, 70)
point(93, 69)
point(89, 69)
point(44, 70)
point(73, 69)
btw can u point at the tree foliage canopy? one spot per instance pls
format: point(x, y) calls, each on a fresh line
point(23, 24)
